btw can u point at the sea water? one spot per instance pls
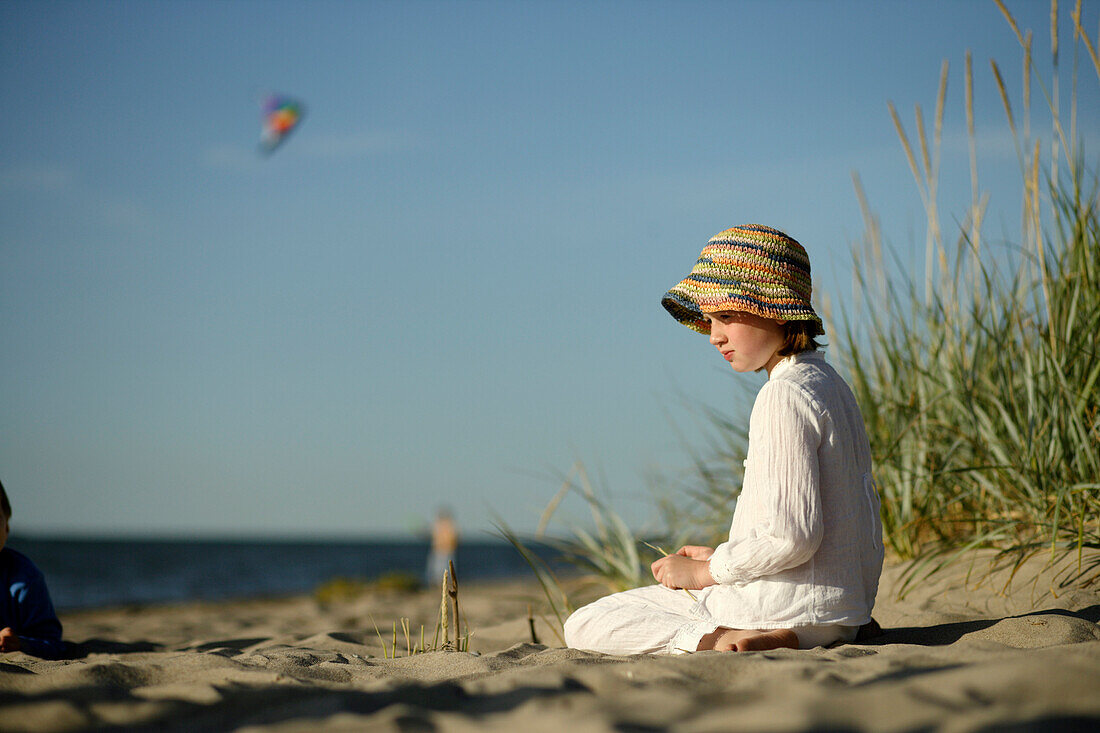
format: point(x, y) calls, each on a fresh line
point(84, 573)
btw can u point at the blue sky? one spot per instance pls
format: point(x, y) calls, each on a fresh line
point(444, 287)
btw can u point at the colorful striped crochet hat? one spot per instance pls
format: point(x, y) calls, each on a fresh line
point(750, 268)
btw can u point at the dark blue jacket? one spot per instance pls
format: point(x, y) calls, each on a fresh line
point(25, 606)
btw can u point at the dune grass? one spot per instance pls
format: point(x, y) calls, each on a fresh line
point(979, 384)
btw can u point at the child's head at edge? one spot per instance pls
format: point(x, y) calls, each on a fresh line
point(750, 269)
point(5, 515)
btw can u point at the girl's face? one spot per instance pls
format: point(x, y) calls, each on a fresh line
point(748, 342)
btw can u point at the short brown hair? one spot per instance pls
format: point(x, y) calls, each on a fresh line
point(5, 506)
point(799, 336)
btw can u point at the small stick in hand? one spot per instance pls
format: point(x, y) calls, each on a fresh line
point(661, 550)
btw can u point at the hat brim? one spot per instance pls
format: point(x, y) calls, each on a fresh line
point(692, 311)
point(684, 310)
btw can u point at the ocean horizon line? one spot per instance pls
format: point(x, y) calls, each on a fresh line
point(97, 571)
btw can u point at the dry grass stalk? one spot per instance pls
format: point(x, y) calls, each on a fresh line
point(908, 150)
point(927, 181)
point(975, 212)
point(1011, 20)
point(1055, 106)
point(1008, 111)
point(1054, 30)
point(873, 240)
point(909, 156)
point(934, 173)
point(1027, 88)
point(1080, 32)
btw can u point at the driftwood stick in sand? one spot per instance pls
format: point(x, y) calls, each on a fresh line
point(443, 612)
point(452, 591)
point(531, 623)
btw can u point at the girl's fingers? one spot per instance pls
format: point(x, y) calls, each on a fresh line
point(657, 569)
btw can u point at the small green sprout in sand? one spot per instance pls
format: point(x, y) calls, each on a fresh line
point(449, 590)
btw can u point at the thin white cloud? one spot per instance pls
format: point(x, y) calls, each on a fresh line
point(363, 144)
point(354, 145)
point(115, 211)
point(41, 177)
point(230, 157)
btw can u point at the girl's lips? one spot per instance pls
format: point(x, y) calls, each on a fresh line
point(727, 355)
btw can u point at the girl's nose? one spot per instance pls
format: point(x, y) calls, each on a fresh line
point(715, 337)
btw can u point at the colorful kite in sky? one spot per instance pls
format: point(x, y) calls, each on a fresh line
point(281, 116)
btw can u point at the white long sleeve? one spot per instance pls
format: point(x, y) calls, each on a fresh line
point(805, 543)
point(778, 523)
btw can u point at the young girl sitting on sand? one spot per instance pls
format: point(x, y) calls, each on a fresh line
point(802, 564)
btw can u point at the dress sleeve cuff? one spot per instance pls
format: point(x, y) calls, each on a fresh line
point(719, 566)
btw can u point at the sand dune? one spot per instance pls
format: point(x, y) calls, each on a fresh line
point(953, 656)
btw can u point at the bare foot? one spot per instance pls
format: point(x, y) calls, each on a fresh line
point(742, 640)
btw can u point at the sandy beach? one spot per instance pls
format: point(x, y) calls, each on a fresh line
point(956, 654)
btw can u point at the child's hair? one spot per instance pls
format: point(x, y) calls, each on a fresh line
point(5, 505)
point(799, 336)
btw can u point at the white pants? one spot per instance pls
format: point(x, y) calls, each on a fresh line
point(657, 620)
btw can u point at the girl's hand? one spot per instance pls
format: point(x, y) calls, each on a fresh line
point(696, 552)
point(679, 571)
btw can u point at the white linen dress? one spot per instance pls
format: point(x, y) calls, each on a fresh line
point(805, 545)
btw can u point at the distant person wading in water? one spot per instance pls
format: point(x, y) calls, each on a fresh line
point(444, 545)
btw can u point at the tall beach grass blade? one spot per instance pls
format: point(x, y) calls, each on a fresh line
point(381, 641)
point(558, 600)
point(552, 505)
